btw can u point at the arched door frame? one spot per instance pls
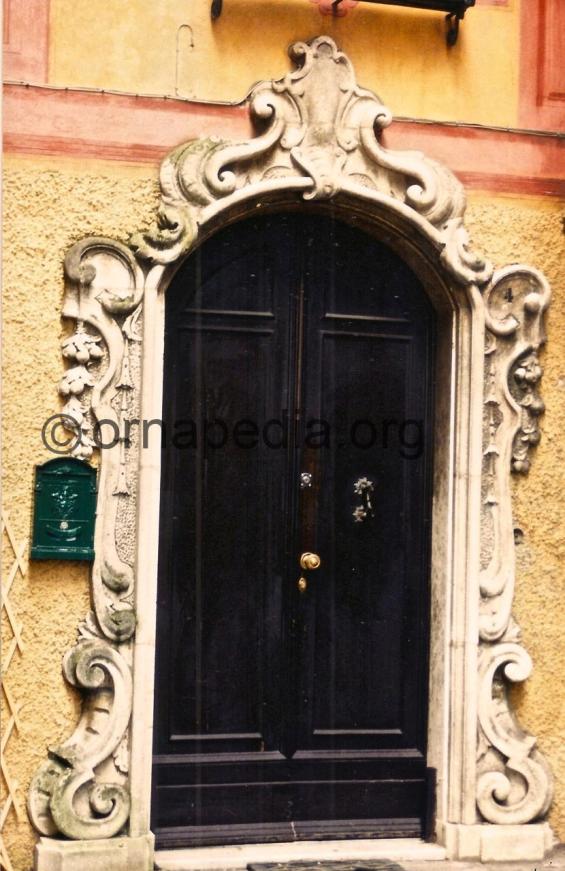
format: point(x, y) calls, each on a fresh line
point(317, 144)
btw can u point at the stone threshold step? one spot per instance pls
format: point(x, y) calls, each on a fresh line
point(240, 857)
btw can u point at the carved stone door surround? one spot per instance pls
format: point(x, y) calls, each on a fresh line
point(317, 146)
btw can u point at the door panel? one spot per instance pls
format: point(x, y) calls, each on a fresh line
point(222, 548)
point(367, 335)
point(294, 343)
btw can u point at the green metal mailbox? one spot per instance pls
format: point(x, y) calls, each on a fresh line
point(64, 511)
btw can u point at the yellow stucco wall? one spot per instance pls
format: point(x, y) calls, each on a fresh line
point(401, 53)
point(49, 204)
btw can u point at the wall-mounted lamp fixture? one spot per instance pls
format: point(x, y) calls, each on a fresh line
point(455, 10)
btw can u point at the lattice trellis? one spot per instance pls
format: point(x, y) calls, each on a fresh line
point(14, 565)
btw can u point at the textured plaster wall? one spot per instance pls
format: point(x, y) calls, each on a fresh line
point(402, 53)
point(50, 204)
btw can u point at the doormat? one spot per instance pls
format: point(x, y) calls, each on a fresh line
point(355, 865)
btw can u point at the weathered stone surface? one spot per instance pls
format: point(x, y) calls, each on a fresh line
point(116, 854)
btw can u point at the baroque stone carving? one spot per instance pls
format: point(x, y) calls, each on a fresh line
point(514, 783)
point(515, 303)
point(112, 313)
point(318, 138)
point(69, 794)
point(81, 792)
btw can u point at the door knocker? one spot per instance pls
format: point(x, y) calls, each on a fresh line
point(363, 488)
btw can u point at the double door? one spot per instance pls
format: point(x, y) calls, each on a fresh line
point(293, 601)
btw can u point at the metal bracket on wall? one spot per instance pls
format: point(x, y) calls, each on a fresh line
point(452, 20)
point(455, 11)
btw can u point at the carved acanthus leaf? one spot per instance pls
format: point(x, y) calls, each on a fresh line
point(525, 377)
point(66, 797)
point(183, 194)
point(121, 755)
point(89, 628)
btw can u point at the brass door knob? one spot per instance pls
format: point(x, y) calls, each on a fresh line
point(310, 561)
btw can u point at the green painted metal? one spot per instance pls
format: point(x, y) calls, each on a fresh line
point(64, 510)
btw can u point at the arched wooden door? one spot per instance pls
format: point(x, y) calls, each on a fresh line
point(291, 700)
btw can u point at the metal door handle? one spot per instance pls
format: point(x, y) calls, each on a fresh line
point(363, 488)
point(310, 561)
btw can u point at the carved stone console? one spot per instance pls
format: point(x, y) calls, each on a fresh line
point(319, 140)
